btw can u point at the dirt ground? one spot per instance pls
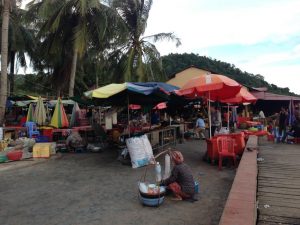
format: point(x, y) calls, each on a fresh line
point(93, 189)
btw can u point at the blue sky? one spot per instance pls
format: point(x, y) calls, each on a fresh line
point(260, 37)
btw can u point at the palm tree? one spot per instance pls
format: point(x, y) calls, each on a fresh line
point(20, 41)
point(4, 56)
point(69, 29)
point(138, 59)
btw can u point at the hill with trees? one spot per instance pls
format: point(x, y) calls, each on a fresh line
point(174, 63)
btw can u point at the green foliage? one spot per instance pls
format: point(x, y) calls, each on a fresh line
point(137, 59)
point(68, 27)
point(174, 63)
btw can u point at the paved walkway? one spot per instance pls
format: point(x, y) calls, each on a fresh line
point(279, 184)
point(93, 189)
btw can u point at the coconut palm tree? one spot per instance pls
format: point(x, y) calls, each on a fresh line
point(138, 59)
point(4, 55)
point(20, 42)
point(69, 29)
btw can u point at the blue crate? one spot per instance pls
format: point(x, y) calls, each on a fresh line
point(41, 139)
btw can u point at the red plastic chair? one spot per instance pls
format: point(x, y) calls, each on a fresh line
point(226, 149)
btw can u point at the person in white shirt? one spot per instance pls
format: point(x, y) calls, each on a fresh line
point(200, 127)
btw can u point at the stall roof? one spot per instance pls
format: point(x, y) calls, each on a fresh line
point(263, 95)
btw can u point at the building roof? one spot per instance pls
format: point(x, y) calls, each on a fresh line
point(185, 75)
point(264, 95)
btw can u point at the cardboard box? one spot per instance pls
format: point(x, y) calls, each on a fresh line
point(42, 150)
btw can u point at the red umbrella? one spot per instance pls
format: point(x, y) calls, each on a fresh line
point(244, 96)
point(134, 107)
point(214, 86)
point(161, 105)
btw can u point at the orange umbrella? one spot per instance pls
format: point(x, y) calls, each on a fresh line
point(244, 96)
point(214, 86)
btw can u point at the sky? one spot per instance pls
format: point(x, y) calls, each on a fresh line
point(257, 36)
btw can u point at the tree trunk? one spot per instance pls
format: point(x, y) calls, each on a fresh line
point(12, 72)
point(73, 74)
point(4, 51)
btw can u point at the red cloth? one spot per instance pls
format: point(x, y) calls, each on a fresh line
point(176, 189)
point(23, 120)
point(177, 157)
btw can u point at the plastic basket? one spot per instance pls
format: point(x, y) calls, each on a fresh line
point(14, 155)
point(152, 201)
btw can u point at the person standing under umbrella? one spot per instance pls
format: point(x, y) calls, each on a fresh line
point(283, 115)
point(215, 119)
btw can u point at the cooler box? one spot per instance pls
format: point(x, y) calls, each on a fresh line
point(42, 150)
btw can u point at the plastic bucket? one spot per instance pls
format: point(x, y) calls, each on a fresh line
point(197, 188)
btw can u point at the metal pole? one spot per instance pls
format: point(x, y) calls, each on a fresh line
point(128, 115)
point(228, 116)
point(209, 116)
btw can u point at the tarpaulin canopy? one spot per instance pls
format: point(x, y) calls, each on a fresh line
point(22, 98)
point(162, 86)
point(135, 93)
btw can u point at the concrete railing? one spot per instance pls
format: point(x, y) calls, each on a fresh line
point(240, 207)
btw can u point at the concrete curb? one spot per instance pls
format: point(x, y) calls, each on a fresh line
point(27, 162)
point(241, 207)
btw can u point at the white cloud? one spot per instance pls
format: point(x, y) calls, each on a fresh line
point(201, 28)
point(200, 24)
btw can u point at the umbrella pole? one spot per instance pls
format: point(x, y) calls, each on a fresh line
point(128, 116)
point(227, 116)
point(209, 116)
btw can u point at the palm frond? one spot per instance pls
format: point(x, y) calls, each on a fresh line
point(162, 37)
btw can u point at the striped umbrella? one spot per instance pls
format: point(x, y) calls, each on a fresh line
point(59, 118)
point(75, 115)
point(30, 114)
point(40, 112)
